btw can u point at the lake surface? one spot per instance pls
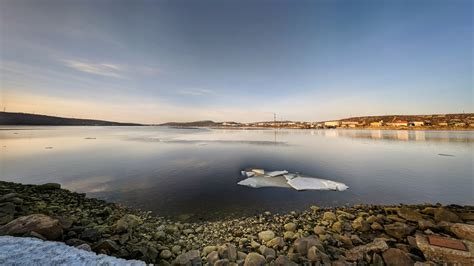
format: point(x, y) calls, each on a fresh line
point(195, 171)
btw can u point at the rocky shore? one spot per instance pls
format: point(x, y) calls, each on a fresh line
point(364, 234)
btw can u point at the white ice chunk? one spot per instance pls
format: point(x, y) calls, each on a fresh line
point(258, 171)
point(264, 181)
point(289, 176)
point(250, 174)
point(277, 173)
point(309, 183)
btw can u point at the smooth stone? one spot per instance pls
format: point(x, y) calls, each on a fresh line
point(39, 223)
point(254, 259)
point(445, 215)
point(464, 231)
point(398, 230)
point(409, 214)
point(329, 216)
point(165, 254)
point(357, 253)
point(396, 257)
point(266, 235)
point(290, 227)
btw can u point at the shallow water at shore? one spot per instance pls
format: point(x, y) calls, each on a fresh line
point(174, 171)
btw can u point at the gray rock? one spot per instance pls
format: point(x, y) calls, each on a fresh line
point(266, 235)
point(276, 243)
point(398, 230)
point(377, 260)
point(212, 257)
point(222, 262)
point(176, 249)
point(189, 258)
point(361, 224)
point(208, 249)
point(302, 245)
point(283, 261)
point(445, 215)
point(319, 230)
point(254, 259)
point(227, 251)
point(127, 223)
point(165, 254)
point(106, 245)
point(266, 251)
point(329, 216)
point(357, 253)
point(397, 257)
point(315, 255)
point(85, 247)
point(409, 214)
point(290, 227)
point(464, 231)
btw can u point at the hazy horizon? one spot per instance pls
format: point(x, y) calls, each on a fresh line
point(161, 61)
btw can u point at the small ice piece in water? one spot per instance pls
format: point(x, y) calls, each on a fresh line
point(258, 171)
point(310, 183)
point(264, 181)
point(277, 173)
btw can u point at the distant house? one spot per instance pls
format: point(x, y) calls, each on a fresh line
point(398, 123)
point(416, 123)
point(377, 124)
point(460, 124)
point(350, 123)
point(443, 124)
point(332, 124)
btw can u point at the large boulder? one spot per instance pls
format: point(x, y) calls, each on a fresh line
point(398, 230)
point(42, 224)
point(445, 215)
point(357, 253)
point(444, 255)
point(397, 257)
point(409, 214)
point(464, 231)
point(361, 224)
point(329, 216)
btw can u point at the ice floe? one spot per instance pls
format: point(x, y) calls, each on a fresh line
point(258, 178)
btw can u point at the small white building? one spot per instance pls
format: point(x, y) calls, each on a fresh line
point(416, 123)
point(332, 123)
point(377, 124)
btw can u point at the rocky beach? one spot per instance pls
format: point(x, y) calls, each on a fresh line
point(426, 234)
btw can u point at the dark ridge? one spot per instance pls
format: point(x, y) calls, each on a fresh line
point(7, 118)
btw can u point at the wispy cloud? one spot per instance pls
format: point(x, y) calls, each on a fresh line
point(101, 69)
point(196, 92)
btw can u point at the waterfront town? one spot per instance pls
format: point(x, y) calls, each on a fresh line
point(438, 121)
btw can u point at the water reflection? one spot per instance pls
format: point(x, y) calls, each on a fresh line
point(172, 171)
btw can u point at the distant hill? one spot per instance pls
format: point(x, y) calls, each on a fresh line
point(7, 118)
point(434, 118)
point(204, 123)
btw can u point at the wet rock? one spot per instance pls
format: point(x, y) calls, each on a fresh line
point(90, 234)
point(39, 223)
point(396, 257)
point(212, 257)
point(283, 261)
point(464, 231)
point(85, 247)
point(266, 235)
point(106, 245)
point(127, 223)
point(357, 253)
point(290, 227)
point(329, 216)
point(398, 230)
point(443, 255)
point(254, 259)
point(409, 214)
point(445, 215)
point(189, 258)
point(165, 254)
point(361, 224)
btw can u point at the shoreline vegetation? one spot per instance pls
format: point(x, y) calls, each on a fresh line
point(360, 234)
point(449, 122)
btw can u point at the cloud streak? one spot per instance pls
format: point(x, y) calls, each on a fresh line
point(196, 92)
point(101, 69)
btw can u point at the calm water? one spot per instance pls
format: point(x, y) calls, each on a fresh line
point(194, 171)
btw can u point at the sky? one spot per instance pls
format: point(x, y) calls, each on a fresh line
point(160, 61)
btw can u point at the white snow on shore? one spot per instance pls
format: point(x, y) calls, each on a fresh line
point(33, 251)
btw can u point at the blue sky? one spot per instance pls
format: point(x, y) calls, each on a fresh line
point(157, 61)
